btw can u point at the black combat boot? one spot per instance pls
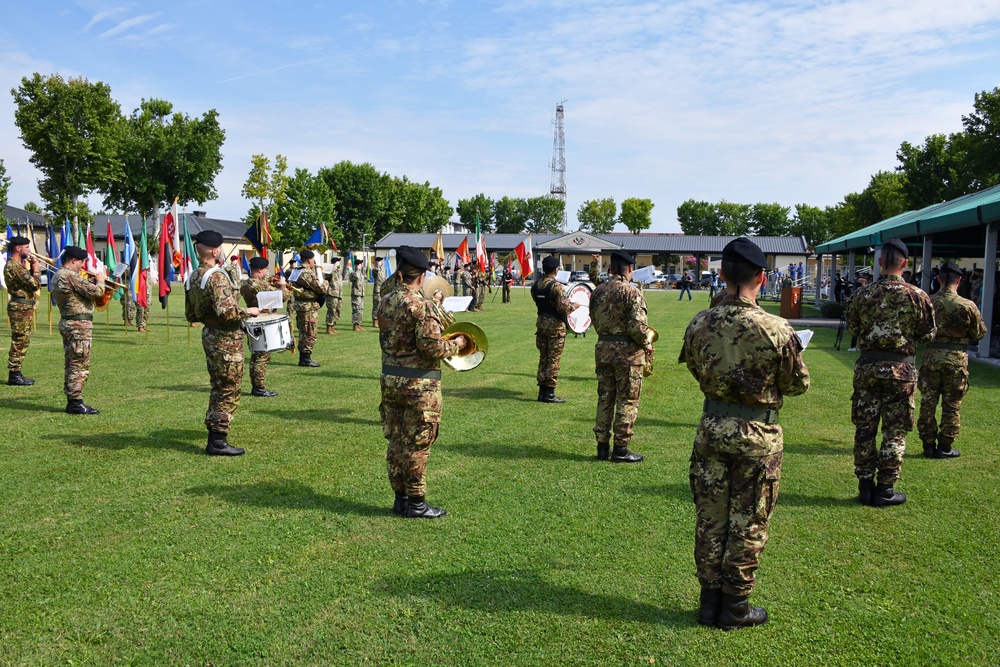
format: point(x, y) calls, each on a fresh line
point(305, 359)
point(884, 496)
point(623, 455)
point(737, 613)
point(400, 504)
point(603, 451)
point(945, 451)
point(549, 395)
point(15, 379)
point(711, 603)
point(865, 489)
point(929, 450)
point(541, 394)
point(219, 446)
point(75, 406)
point(263, 392)
point(418, 508)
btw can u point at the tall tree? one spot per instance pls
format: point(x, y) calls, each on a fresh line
point(419, 207)
point(4, 184)
point(510, 215)
point(935, 172)
point(735, 218)
point(466, 210)
point(308, 204)
point(265, 186)
point(769, 219)
point(72, 128)
point(362, 200)
point(699, 218)
point(982, 127)
point(811, 222)
point(597, 216)
point(544, 214)
point(636, 214)
point(166, 155)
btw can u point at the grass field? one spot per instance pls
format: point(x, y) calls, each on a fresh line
point(122, 543)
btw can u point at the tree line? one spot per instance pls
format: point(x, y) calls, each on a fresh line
point(942, 168)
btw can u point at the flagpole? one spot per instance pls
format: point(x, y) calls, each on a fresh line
point(49, 299)
point(168, 318)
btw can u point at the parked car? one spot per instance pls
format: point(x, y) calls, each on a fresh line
point(579, 277)
point(670, 281)
point(706, 279)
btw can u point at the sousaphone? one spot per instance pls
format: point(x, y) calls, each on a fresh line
point(472, 354)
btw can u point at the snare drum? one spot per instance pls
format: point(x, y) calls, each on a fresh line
point(268, 333)
point(578, 321)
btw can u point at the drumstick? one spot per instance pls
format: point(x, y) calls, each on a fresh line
point(268, 304)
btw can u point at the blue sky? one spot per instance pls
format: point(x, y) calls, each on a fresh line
point(793, 102)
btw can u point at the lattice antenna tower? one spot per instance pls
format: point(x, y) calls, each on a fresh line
point(557, 188)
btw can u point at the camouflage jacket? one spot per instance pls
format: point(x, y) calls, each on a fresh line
point(254, 286)
point(410, 334)
point(468, 280)
point(74, 294)
point(595, 274)
point(890, 315)
point(618, 308)
point(233, 270)
point(312, 290)
point(741, 354)
point(335, 286)
point(357, 277)
point(378, 277)
point(455, 279)
point(217, 305)
point(958, 321)
point(21, 282)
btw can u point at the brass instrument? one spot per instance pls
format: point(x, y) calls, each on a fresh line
point(652, 335)
point(474, 352)
point(108, 283)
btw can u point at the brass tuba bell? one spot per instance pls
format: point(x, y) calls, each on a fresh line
point(474, 353)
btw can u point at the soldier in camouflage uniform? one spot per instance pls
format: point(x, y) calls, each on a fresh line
point(618, 310)
point(75, 296)
point(595, 270)
point(944, 369)
point(334, 297)
point(412, 349)
point(213, 300)
point(378, 277)
point(22, 284)
point(468, 284)
point(507, 279)
point(550, 328)
point(889, 317)
point(255, 284)
point(128, 303)
point(482, 284)
point(233, 269)
point(307, 307)
point(358, 280)
point(745, 361)
point(455, 278)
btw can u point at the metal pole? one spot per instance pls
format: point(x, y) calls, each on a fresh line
point(925, 263)
point(989, 287)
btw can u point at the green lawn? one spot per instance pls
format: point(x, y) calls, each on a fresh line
point(122, 543)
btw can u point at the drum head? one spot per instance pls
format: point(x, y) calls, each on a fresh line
point(579, 320)
point(579, 293)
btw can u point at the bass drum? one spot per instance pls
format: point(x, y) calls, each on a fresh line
point(578, 321)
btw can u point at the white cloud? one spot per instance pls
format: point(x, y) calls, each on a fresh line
point(127, 24)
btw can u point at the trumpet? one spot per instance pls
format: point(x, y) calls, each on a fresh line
point(276, 281)
point(108, 283)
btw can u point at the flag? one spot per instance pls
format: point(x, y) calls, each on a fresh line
point(438, 248)
point(189, 263)
point(64, 237)
point(316, 238)
point(129, 257)
point(463, 250)
point(111, 259)
point(524, 257)
point(170, 230)
point(165, 265)
point(10, 235)
point(259, 234)
point(330, 238)
point(388, 266)
point(142, 269)
point(244, 263)
point(92, 264)
point(175, 237)
point(482, 259)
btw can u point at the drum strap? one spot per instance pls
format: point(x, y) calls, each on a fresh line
point(416, 373)
point(214, 269)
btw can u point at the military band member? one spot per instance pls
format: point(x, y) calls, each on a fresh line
point(233, 269)
point(358, 281)
point(890, 317)
point(455, 278)
point(255, 284)
point(213, 300)
point(378, 277)
point(468, 284)
point(745, 361)
point(595, 269)
point(23, 282)
point(307, 307)
point(334, 297)
point(482, 283)
point(618, 310)
point(128, 303)
point(944, 369)
point(412, 349)
point(550, 328)
point(507, 280)
point(75, 295)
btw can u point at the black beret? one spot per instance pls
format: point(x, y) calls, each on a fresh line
point(411, 256)
point(622, 257)
point(378, 259)
point(550, 263)
point(744, 251)
point(898, 245)
point(334, 259)
point(208, 237)
point(951, 267)
point(306, 255)
point(15, 241)
point(75, 252)
point(258, 263)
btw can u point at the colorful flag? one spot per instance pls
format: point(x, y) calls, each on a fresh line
point(524, 257)
point(111, 259)
point(10, 235)
point(316, 238)
point(482, 258)
point(142, 269)
point(165, 265)
point(258, 235)
point(65, 236)
point(438, 248)
point(244, 262)
point(463, 251)
point(189, 263)
point(329, 238)
point(175, 236)
point(129, 257)
point(92, 264)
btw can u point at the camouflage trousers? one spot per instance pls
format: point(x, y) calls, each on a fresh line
point(20, 315)
point(258, 369)
point(480, 296)
point(734, 475)
point(947, 382)
point(333, 304)
point(375, 300)
point(618, 388)
point(891, 402)
point(224, 357)
point(550, 350)
point(307, 321)
point(357, 309)
point(411, 413)
point(128, 311)
point(505, 293)
point(76, 335)
point(141, 315)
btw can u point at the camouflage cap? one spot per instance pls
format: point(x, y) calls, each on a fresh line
point(744, 251)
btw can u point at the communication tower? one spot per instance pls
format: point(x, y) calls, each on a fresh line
point(557, 188)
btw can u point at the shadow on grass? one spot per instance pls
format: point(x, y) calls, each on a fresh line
point(803, 500)
point(187, 441)
point(526, 590)
point(186, 387)
point(287, 493)
point(334, 415)
point(830, 448)
point(32, 406)
point(513, 452)
point(374, 377)
point(486, 392)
